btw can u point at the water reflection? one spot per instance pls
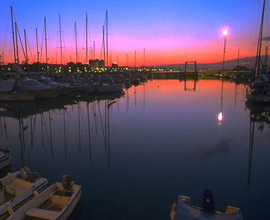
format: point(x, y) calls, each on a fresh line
point(260, 119)
point(154, 139)
point(220, 115)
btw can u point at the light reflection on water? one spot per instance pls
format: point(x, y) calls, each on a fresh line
point(134, 154)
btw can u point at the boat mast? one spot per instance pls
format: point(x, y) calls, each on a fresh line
point(135, 58)
point(266, 57)
point(16, 37)
point(37, 45)
point(46, 43)
point(259, 46)
point(61, 46)
point(107, 38)
point(76, 42)
point(37, 48)
point(86, 40)
point(144, 57)
point(26, 50)
point(13, 34)
point(104, 48)
point(238, 58)
point(94, 50)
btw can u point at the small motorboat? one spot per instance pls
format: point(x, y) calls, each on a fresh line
point(17, 189)
point(183, 210)
point(4, 158)
point(55, 203)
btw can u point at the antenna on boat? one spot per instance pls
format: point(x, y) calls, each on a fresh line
point(76, 41)
point(259, 46)
point(86, 40)
point(61, 46)
point(46, 40)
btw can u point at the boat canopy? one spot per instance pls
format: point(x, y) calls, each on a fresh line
point(187, 212)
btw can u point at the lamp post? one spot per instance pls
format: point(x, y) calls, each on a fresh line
point(225, 34)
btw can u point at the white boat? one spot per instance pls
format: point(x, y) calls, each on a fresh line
point(8, 92)
point(183, 210)
point(65, 88)
point(55, 203)
point(4, 158)
point(42, 91)
point(110, 88)
point(17, 189)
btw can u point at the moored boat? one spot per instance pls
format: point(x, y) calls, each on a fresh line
point(4, 158)
point(42, 91)
point(55, 203)
point(17, 189)
point(17, 96)
point(183, 210)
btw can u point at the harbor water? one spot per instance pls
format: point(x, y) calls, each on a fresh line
point(134, 153)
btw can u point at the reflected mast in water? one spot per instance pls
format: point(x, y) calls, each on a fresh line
point(79, 125)
point(89, 133)
point(50, 127)
point(65, 135)
point(251, 142)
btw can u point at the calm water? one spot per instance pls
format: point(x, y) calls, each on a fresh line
point(136, 156)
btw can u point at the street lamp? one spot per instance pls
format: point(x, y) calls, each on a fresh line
point(225, 34)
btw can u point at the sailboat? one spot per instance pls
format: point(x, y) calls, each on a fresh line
point(10, 93)
point(259, 91)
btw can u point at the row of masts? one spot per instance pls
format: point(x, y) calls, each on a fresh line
point(15, 34)
point(104, 49)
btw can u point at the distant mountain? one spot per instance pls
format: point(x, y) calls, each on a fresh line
point(248, 62)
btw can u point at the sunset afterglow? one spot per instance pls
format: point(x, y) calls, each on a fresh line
point(168, 33)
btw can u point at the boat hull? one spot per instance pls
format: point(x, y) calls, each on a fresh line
point(17, 97)
point(48, 93)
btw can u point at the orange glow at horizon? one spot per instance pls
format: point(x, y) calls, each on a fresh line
point(204, 52)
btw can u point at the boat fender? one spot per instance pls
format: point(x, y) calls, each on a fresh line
point(208, 201)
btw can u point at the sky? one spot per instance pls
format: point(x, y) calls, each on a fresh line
point(171, 31)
